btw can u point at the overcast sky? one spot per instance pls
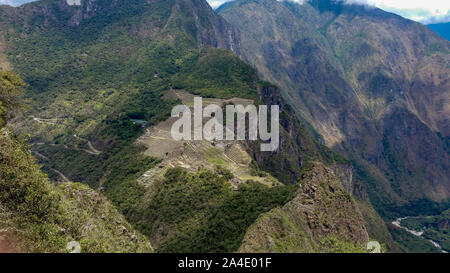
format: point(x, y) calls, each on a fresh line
point(425, 11)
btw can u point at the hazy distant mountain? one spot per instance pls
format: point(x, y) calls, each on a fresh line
point(443, 29)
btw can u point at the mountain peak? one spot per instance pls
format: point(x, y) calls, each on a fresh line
point(195, 19)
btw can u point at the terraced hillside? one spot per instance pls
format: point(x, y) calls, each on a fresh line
point(193, 155)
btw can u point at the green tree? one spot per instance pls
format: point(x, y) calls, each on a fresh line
point(11, 90)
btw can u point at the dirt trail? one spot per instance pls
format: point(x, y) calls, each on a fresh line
point(95, 151)
point(61, 175)
point(5, 245)
point(52, 121)
point(40, 155)
point(7, 238)
point(65, 179)
point(92, 150)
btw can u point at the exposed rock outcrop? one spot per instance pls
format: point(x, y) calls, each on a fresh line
point(321, 209)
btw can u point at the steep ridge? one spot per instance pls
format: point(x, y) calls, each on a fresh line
point(320, 213)
point(373, 85)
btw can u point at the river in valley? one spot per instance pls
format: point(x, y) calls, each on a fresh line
point(398, 223)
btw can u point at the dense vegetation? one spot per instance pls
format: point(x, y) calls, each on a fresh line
point(217, 74)
point(436, 228)
point(37, 216)
point(101, 76)
point(415, 208)
point(202, 213)
point(410, 243)
point(11, 90)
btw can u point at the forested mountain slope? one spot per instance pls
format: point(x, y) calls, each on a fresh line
point(39, 216)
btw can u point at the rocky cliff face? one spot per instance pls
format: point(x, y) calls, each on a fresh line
point(297, 145)
point(321, 209)
point(369, 82)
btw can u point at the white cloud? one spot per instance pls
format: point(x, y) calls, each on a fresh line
point(419, 10)
point(216, 3)
point(14, 2)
